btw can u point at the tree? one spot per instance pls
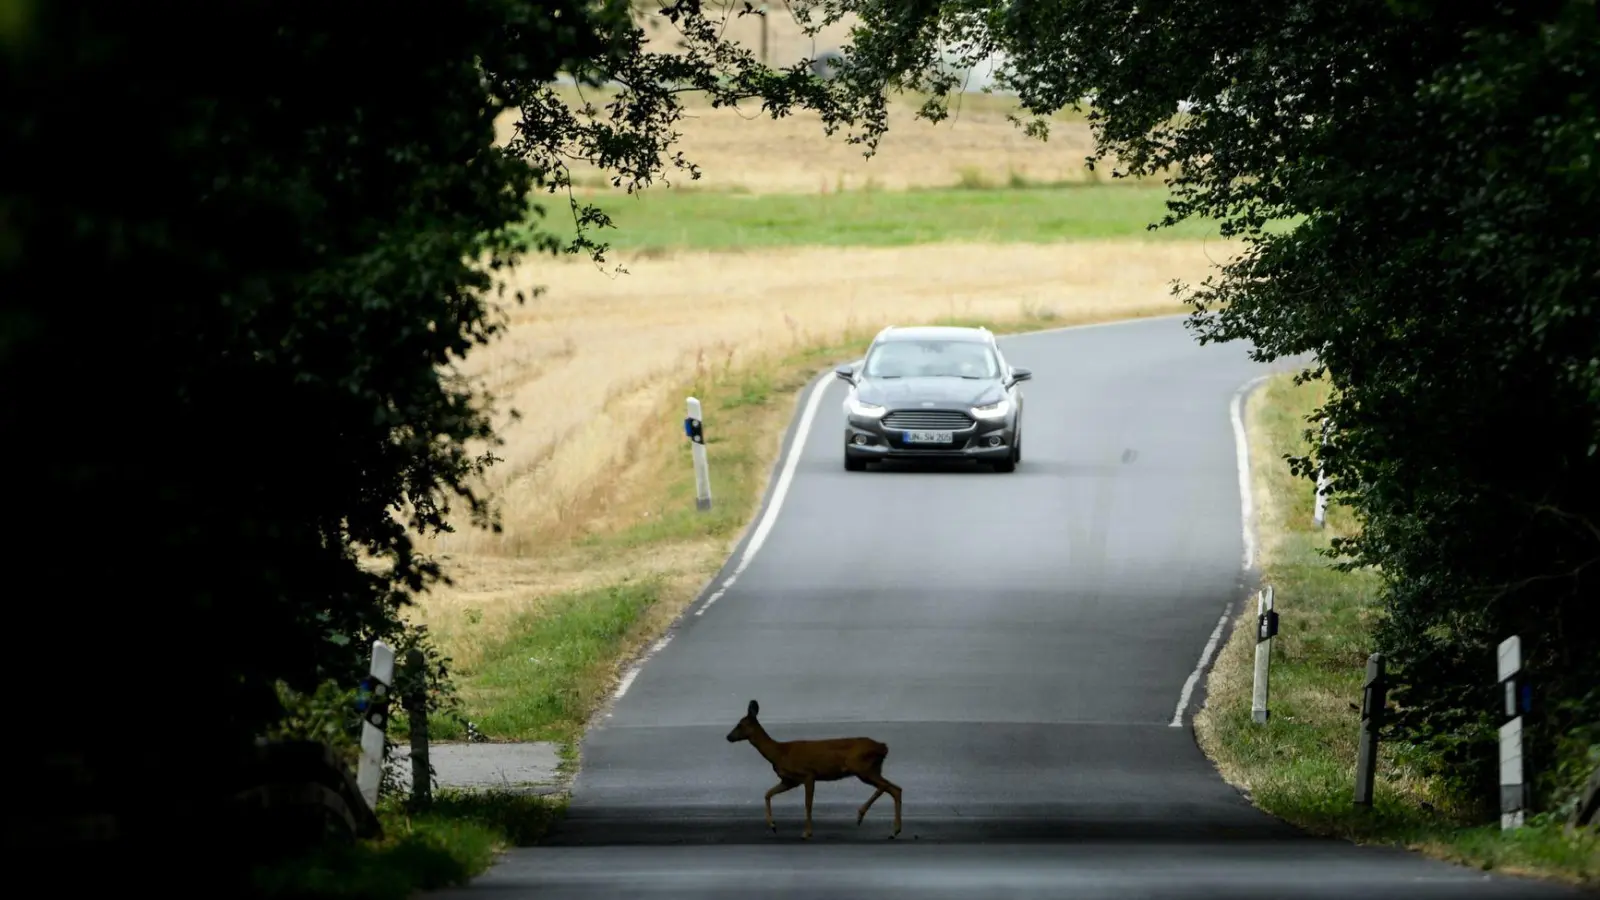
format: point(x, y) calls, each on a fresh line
point(1439, 163)
point(243, 244)
point(242, 248)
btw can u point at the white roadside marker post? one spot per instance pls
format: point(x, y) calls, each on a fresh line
point(694, 427)
point(1266, 629)
point(373, 703)
point(1320, 515)
point(1513, 787)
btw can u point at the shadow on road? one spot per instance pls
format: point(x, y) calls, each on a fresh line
point(970, 468)
point(834, 822)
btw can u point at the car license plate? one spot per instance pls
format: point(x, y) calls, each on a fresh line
point(928, 437)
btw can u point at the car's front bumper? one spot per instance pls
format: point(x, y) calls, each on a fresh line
point(868, 439)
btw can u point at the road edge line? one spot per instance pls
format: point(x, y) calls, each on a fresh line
point(780, 491)
point(1200, 667)
point(1247, 525)
point(1136, 320)
point(1241, 456)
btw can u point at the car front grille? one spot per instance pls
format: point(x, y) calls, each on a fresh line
point(927, 420)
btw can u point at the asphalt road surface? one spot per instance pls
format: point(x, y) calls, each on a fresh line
point(1020, 641)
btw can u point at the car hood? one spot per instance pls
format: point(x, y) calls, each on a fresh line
point(947, 392)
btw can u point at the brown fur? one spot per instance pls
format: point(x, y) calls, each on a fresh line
point(808, 762)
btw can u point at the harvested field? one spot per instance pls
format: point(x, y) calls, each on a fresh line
point(745, 149)
point(742, 149)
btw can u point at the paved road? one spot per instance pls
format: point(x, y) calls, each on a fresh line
point(1020, 641)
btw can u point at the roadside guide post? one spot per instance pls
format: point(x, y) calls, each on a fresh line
point(1320, 514)
point(1374, 694)
point(1266, 629)
point(373, 704)
point(694, 427)
point(1513, 786)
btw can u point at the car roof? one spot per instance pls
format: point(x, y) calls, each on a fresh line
point(979, 335)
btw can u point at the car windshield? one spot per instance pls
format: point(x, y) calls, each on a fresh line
point(913, 359)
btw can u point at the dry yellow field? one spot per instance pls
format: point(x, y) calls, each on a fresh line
point(742, 149)
point(745, 149)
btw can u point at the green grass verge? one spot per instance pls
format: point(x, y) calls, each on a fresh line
point(457, 838)
point(554, 668)
point(1300, 766)
point(542, 682)
point(664, 220)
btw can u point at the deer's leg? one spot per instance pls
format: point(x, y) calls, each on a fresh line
point(811, 787)
point(777, 789)
point(884, 786)
point(862, 812)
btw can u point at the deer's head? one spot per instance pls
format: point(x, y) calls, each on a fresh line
point(747, 725)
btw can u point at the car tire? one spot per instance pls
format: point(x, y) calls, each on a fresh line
point(852, 464)
point(1009, 465)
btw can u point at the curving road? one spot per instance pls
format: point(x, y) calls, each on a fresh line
point(1021, 642)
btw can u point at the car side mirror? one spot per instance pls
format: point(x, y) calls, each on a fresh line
point(1020, 374)
point(847, 373)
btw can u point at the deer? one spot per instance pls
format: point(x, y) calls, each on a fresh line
point(808, 762)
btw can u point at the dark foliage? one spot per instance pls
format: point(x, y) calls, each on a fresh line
point(242, 244)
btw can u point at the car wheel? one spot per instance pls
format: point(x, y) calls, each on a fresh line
point(1009, 465)
point(851, 464)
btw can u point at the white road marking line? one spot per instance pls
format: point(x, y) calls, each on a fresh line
point(780, 491)
point(1112, 324)
point(717, 596)
point(632, 673)
point(627, 682)
point(1241, 452)
point(1194, 677)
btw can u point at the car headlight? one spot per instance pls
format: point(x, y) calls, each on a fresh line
point(996, 410)
point(864, 410)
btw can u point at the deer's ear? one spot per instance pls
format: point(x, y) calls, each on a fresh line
point(754, 708)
